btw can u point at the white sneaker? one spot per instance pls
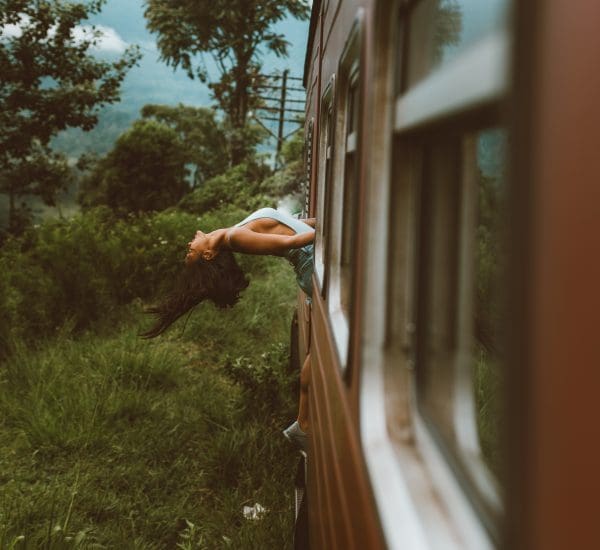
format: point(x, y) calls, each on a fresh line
point(297, 437)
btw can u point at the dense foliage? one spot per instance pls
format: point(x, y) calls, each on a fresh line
point(48, 82)
point(240, 186)
point(144, 171)
point(202, 135)
point(79, 271)
point(233, 33)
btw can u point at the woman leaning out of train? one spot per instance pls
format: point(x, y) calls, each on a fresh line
point(212, 273)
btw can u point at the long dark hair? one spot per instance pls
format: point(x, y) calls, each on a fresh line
point(220, 280)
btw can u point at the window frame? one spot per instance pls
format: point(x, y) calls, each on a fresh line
point(406, 465)
point(465, 459)
point(325, 183)
point(351, 158)
point(464, 92)
point(349, 72)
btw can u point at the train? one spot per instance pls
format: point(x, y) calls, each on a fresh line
point(451, 164)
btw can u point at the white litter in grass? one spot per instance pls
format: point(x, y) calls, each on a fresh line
point(257, 511)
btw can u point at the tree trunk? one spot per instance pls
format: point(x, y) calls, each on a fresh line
point(240, 106)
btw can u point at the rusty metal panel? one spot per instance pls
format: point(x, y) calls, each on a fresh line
point(338, 467)
point(557, 452)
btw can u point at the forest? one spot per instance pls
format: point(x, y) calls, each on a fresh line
point(109, 440)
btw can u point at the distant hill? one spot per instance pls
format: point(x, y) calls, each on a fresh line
point(113, 121)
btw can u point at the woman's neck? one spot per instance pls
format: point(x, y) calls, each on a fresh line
point(217, 238)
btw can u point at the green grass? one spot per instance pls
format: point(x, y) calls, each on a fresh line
point(109, 441)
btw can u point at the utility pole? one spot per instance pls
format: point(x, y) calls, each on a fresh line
point(281, 102)
point(281, 118)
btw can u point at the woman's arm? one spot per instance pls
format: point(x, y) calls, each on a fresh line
point(251, 242)
point(310, 221)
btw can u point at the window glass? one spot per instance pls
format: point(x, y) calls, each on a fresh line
point(438, 300)
point(352, 106)
point(441, 29)
point(350, 194)
point(328, 190)
point(460, 316)
point(490, 259)
point(321, 210)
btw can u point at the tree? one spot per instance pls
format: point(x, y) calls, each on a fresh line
point(144, 171)
point(49, 81)
point(239, 186)
point(232, 32)
point(202, 136)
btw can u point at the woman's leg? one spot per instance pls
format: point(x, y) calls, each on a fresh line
point(303, 401)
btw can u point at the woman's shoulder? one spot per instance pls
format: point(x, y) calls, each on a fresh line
point(260, 213)
point(267, 211)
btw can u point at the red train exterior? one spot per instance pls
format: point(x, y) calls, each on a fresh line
point(410, 104)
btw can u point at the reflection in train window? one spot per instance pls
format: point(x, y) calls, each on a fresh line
point(459, 319)
point(324, 184)
point(441, 29)
point(438, 346)
point(343, 201)
point(350, 191)
point(490, 260)
point(328, 189)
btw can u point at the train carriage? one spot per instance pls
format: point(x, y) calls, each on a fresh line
point(451, 166)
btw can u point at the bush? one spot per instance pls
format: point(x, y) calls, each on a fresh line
point(80, 270)
point(264, 380)
point(145, 171)
point(239, 187)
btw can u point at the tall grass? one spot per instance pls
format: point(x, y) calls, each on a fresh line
point(109, 441)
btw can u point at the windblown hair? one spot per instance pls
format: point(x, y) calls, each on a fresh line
point(220, 280)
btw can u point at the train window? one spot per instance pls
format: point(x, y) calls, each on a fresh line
point(344, 201)
point(308, 163)
point(350, 191)
point(448, 190)
point(324, 187)
point(438, 278)
point(459, 357)
point(441, 29)
point(488, 151)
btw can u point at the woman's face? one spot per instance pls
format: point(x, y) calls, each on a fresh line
point(197, 248)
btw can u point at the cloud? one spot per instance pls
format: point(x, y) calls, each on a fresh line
point(9, 31)
point(148, 45)
point(14, 30)
point(108, 41)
